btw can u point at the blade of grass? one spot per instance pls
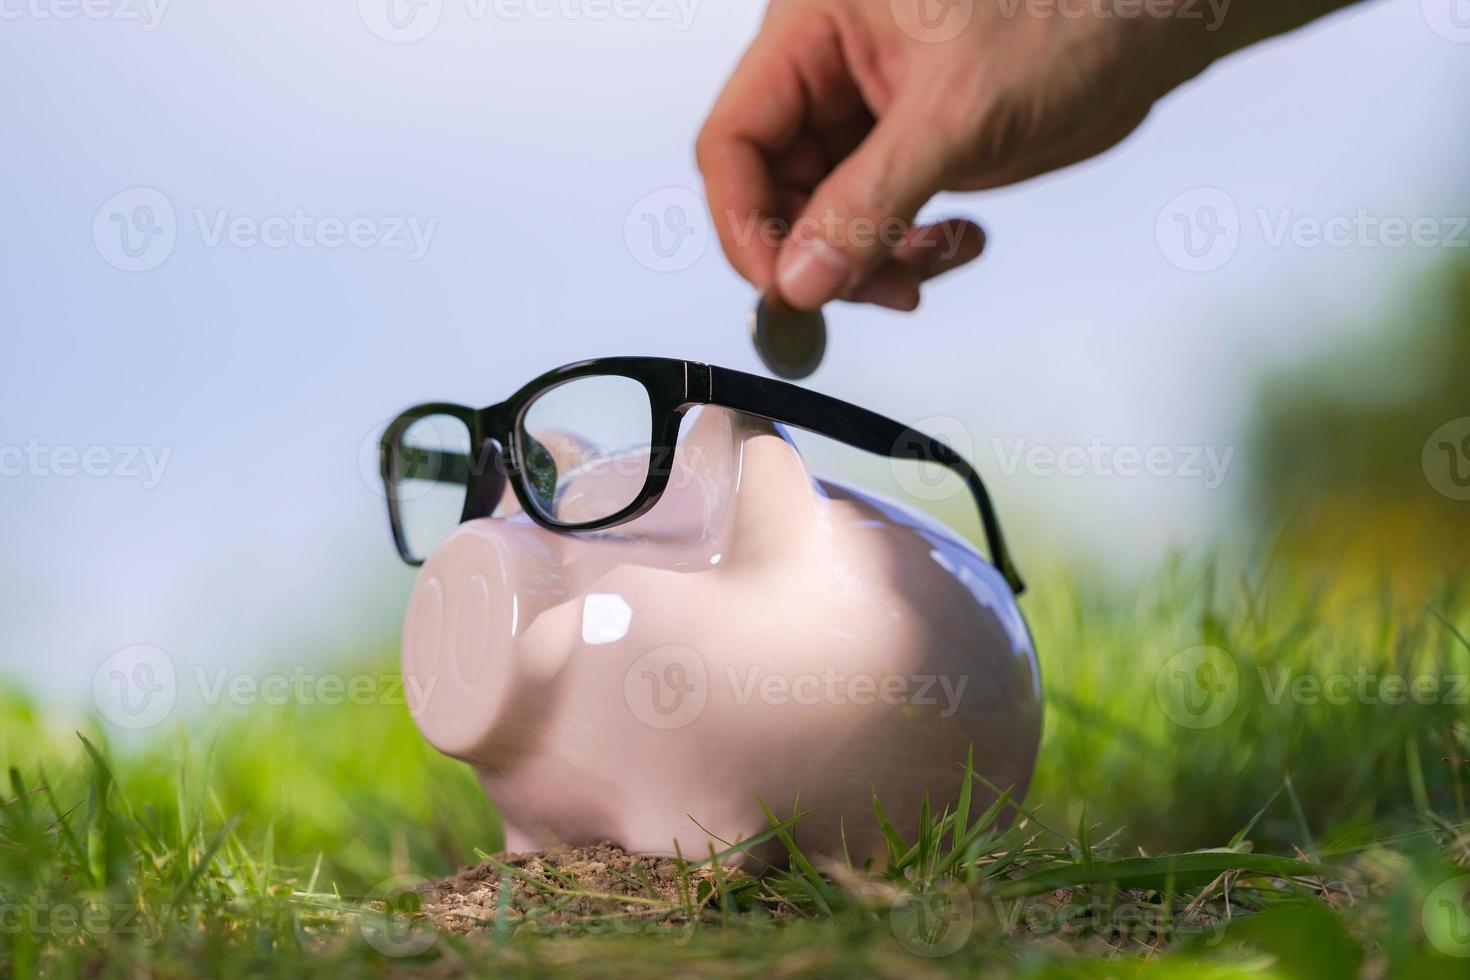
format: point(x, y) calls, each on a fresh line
point(825, 896)
point(1240, 834)
point(897, 848)
point(1190, 868)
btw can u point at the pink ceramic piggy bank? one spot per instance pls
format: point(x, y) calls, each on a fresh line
point(759, 635)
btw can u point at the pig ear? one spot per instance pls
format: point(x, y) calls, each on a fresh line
point(733, 476)
point(697, 500)
point(775, 499)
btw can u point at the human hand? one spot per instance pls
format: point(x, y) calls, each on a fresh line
point(845, 116)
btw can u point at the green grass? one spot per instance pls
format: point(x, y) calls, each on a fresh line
point(1286, 839)
point(1315, 662)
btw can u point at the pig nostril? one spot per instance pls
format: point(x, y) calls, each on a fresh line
point(472, 629)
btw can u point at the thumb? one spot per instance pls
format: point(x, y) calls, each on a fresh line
point(862, 211)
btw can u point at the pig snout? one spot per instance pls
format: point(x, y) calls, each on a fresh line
point(459, 639)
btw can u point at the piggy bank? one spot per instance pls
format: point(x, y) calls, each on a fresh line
point(760, 638)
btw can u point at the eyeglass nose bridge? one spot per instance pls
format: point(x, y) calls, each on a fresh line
point(489, 472)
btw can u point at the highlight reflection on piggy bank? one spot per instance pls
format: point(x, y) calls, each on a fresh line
point(759, 635)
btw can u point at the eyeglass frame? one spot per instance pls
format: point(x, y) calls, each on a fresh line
point(673, 386)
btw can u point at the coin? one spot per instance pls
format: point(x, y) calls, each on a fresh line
point(790, 342)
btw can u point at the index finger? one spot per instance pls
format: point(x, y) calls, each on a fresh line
point(759, 114)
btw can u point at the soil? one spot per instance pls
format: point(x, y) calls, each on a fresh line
point(562, 886)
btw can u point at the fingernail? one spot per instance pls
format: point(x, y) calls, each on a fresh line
point(811, 272)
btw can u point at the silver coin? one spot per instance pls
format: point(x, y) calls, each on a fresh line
point(790, 342)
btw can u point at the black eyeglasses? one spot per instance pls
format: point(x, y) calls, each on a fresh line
point(605, 433)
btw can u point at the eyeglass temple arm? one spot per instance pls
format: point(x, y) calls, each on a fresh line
point(482, 495)
point(422, 463)
point(862, 429)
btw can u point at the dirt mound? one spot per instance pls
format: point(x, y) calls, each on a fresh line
point(564, 886)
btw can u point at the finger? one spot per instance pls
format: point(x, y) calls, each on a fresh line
point(801, 166)
point(927, 252)
point(840, 137)
point(935, 249)
point(789, 204)
point(892, 286)
point(792, 74)
point(850, 225)
point(759, 112)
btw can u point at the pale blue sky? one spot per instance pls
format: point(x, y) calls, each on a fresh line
point(518, 148)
